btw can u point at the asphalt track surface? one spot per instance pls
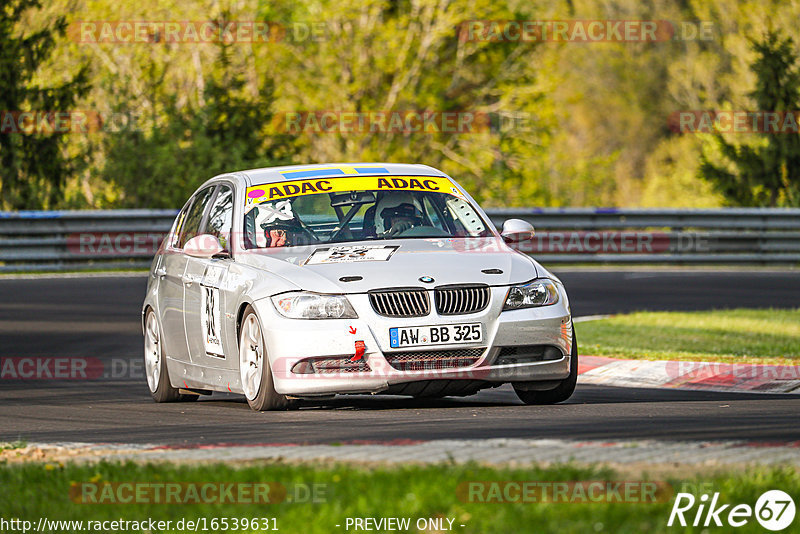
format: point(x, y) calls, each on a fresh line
point(99, 317)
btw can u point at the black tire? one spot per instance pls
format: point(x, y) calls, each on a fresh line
point(562, 391)
point(267, 398)
point(164, 391)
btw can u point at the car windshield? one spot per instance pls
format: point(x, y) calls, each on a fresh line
point(310, 212)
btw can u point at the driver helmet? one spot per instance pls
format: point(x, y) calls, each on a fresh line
point(279, 224)
point(397, 204)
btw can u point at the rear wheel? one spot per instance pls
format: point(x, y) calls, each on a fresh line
point(562, 391)
point(155, 364)
point(257, 382)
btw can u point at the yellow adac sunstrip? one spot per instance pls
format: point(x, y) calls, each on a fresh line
point(339, 184)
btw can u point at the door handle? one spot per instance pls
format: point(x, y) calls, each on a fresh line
point(188, 280)
point(161, 272)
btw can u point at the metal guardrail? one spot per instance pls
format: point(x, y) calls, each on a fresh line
point(81, 240)
point(709, 236)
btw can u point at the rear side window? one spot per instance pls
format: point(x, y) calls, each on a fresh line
point(194, 217)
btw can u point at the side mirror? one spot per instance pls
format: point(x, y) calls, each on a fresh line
point(516, 231)
point(203, 246)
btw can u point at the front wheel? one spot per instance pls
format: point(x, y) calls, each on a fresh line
point(254, 370)
point(562, 391)
point(155, 364)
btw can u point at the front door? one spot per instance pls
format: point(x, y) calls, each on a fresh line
point(203, 313)
point(204, 302)
point(172, 288)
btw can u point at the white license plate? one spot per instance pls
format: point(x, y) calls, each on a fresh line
point(435, 335)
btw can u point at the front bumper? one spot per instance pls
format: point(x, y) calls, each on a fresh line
point(288, 341)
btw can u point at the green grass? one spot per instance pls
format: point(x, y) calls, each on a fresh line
point(733, 336)
point(33, 490)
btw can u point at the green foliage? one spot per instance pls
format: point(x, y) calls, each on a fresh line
point(379, 57)
point(33, 168)
point(594, 116)
point(162, 165)
point(767, 173)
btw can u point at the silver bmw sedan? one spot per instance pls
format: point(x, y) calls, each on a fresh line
point(304, 282)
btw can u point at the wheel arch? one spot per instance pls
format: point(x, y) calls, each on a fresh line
point(240, 317)
point(147, 307)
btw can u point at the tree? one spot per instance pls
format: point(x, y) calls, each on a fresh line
point(33, 167)
point(160, 166)
point(766, 174)
point(416, 56)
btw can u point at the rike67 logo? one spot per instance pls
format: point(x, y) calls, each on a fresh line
point(774, 510)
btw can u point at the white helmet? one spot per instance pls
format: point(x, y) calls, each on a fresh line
point(394, 204)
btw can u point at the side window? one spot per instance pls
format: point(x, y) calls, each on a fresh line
point(191, 223)
point(220, 218)
point(176, 234)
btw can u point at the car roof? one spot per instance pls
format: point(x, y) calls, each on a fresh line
point(270, 175)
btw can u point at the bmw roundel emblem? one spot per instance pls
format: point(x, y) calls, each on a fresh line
point(426, 279)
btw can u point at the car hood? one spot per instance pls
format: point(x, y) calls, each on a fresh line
point(447, 261)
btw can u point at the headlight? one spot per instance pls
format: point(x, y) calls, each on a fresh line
point(541, 292)
point(302, 305)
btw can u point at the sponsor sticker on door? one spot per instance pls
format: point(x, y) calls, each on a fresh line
point(210, 315)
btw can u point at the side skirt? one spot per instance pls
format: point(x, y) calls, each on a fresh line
point(187, 375)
